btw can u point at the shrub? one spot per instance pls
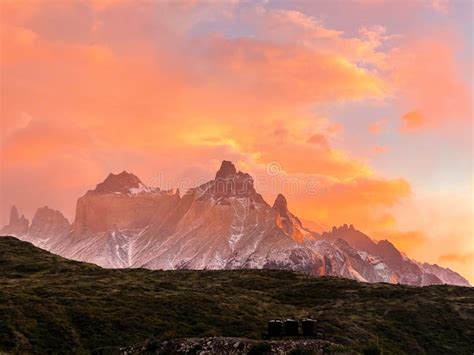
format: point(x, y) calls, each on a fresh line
point(151, 345)
point(371, 349)
point(260, 349)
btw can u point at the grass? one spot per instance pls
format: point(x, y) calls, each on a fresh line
point(50, 304)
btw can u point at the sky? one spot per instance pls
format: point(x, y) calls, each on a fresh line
point(359, 111)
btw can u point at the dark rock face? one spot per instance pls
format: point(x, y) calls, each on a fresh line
point(121, 183)
point(389, 253)
point(226, 170)
point(354, 237)
point(229, 184)
point(281, 205)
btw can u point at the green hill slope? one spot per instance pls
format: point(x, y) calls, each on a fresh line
point(50, 304)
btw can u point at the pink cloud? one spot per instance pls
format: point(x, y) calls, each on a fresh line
point(378, 126)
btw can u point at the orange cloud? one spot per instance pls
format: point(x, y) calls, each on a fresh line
point(255, 85)
point(319, 140)
point(407, 241)
point(289, 73)
point(413, 121)
point(40, 140)
point(365, 202)
point(458, 258)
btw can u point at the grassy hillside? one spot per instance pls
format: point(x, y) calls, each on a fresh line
point(50, 304)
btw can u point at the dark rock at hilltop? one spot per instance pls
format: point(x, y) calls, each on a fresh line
point(121, 183)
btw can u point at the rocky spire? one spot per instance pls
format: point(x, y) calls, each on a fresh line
point(226, 170)
point(13, 215)
point(281, 205)
point(18, 225)
point(289, 223)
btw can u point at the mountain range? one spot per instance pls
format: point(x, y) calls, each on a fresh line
point(222, 224)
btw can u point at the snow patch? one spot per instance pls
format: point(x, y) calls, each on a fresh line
point(141, 189)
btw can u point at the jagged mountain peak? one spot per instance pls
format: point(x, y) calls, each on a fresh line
point(226, 170)
point(123, 182)
point(354, 237)
point(47, 211)
point(229, 183)
point(48, 216)
point(48, 225)
point(343, 228)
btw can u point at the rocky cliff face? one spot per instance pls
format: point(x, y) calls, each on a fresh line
point(121, 202)
point(222, 224)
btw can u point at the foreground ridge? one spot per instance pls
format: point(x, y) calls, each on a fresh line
point(55, 305)
point(222, 224)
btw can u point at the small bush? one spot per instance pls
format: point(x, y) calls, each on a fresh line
point(260, 349)
point(372, 349)
point(151, 345)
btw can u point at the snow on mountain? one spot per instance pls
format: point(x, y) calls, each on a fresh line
point(403, 269)
point(222, 224)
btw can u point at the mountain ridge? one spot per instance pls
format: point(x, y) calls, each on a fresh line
point(222, 224)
